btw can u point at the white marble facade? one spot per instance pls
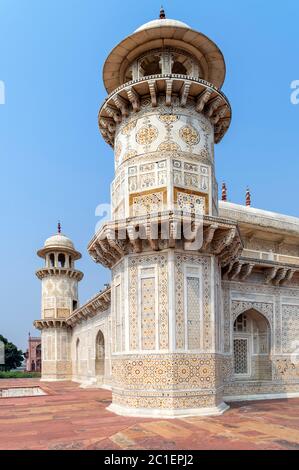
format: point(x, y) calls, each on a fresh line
point(183, 329)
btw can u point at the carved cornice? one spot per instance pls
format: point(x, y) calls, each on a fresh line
point(127, 99)
point(210, 235)
point(50, 323)
point(275, 273)
point(71, 273)
point(99, 303)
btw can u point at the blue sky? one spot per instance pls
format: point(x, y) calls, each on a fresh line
point(54, 164)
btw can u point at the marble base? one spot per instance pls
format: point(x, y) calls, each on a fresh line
point(260, 397)
point(167, 414)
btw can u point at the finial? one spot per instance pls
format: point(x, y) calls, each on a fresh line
point(162, 13)
point(224, 192)
point(248, 198)
point(59, 227)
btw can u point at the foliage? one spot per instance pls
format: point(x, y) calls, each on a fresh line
point(13, 356)
point(19, 375)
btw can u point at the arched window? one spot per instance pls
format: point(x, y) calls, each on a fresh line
point(150, 65)
point(52, 260)
point(240, 324)
point(183, 65)
point(179, 68)
point(100, 357)
point(38, 351)
point(129, 75)
point(251, 346)
point(61, 260)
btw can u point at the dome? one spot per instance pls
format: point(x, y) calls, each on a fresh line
point(162, 33)
point(162, 22)
point(59, 240)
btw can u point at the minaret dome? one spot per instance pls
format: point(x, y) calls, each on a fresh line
point(59, 251)
point(124, 63)
point(59, 282)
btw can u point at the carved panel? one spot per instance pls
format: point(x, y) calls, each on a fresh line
point(290, 328)
point(193, 312)
point(207, 323)
point(191, 203)
point(147, 202)
point(160, 261)
point(148, 313)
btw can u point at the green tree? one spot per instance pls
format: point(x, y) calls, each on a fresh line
point(13, 356)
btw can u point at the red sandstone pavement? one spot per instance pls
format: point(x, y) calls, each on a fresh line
point(73, 418)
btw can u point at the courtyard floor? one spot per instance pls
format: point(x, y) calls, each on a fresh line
point(70, 417)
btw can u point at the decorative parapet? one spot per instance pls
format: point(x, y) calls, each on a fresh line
point(165, 230)
point(99, 303)
point(257, 219)
point(271, 256)
point(126, 99)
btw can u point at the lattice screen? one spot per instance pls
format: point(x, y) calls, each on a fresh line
point(118, 319)
point(240, 356)
point(148, 310)
point(193, 312)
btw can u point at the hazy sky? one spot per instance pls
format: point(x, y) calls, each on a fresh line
point(54, 163)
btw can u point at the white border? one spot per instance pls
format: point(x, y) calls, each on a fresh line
point(261, 397)
point(167, 413)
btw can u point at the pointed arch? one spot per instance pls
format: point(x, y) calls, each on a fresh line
point(264, 308)
point(252, 345)
point(100, 356)
point(61, 260)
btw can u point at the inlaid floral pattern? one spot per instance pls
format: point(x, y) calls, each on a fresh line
point(169, 118)
point(169, 147)
point(146, 135)
point(129, 127)
point(189, 135)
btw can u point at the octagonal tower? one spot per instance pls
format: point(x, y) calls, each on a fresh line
point(163, 115)
point(59, 298)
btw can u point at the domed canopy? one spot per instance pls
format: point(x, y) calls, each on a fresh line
point(162, 22)
point(163, 33)
point(59, 242)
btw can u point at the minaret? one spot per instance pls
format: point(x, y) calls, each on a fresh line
point(163, 114)
point(59, 298)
